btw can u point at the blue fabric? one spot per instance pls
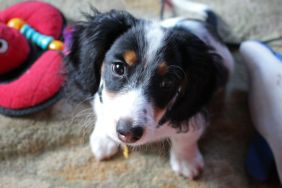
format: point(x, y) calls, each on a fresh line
point(260, 160)
point(278, 55)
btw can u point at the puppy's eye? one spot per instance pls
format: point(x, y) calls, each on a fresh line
point(167, 83)
point(118, 68)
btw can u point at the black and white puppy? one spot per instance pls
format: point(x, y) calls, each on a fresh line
point(148, 81)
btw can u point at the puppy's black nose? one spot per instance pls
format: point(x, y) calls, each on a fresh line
point(127, 132)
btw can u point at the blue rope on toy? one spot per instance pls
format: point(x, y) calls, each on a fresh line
point(43, 41)
point(39, 39)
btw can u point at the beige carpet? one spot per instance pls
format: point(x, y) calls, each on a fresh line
point(50, 149)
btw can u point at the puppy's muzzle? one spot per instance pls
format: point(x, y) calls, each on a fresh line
point(128, 132)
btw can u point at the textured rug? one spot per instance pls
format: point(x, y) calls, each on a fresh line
point(50, 149)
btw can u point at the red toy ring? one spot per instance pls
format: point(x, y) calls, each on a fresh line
point(39, 83)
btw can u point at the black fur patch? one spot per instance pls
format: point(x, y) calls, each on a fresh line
point(91, 40)
point(128, 41)
point(204, 72)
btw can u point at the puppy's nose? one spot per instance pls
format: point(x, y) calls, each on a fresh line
point(127, 132)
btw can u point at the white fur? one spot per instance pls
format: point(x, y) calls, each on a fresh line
point(154, 37)
point(129, 104)
point(171, 22)
point(187, 161)
point(185, 156)
point(198, 8)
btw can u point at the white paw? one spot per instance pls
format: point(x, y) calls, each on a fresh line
point(185, 165)
point(103, 147)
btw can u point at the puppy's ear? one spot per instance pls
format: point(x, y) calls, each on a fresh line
point(205, 74)
point(89, 42)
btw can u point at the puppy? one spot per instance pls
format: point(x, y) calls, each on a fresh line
point(148, 81)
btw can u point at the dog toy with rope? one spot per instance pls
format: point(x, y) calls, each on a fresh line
point(30, 57)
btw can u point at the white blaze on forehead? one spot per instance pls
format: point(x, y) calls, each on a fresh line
point(154, 35)
point(129, 102)
point(127, 105)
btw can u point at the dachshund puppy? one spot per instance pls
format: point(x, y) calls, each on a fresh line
point(148, 81)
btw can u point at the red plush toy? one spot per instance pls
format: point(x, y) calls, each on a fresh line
point(30, 57)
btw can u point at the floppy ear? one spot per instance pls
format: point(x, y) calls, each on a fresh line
point(89, 42)
point(205, 73)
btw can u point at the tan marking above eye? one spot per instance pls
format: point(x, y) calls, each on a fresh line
point(130, 57)
point(162, 68)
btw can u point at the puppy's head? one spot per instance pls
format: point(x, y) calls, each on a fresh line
point(141, 74)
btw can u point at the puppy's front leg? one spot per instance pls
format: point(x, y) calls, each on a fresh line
point(101, 144)
point(185, 156)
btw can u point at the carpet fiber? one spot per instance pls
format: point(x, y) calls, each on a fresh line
point(50, 149)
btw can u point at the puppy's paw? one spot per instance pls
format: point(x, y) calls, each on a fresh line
point(103, 147)
point(185, 165)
